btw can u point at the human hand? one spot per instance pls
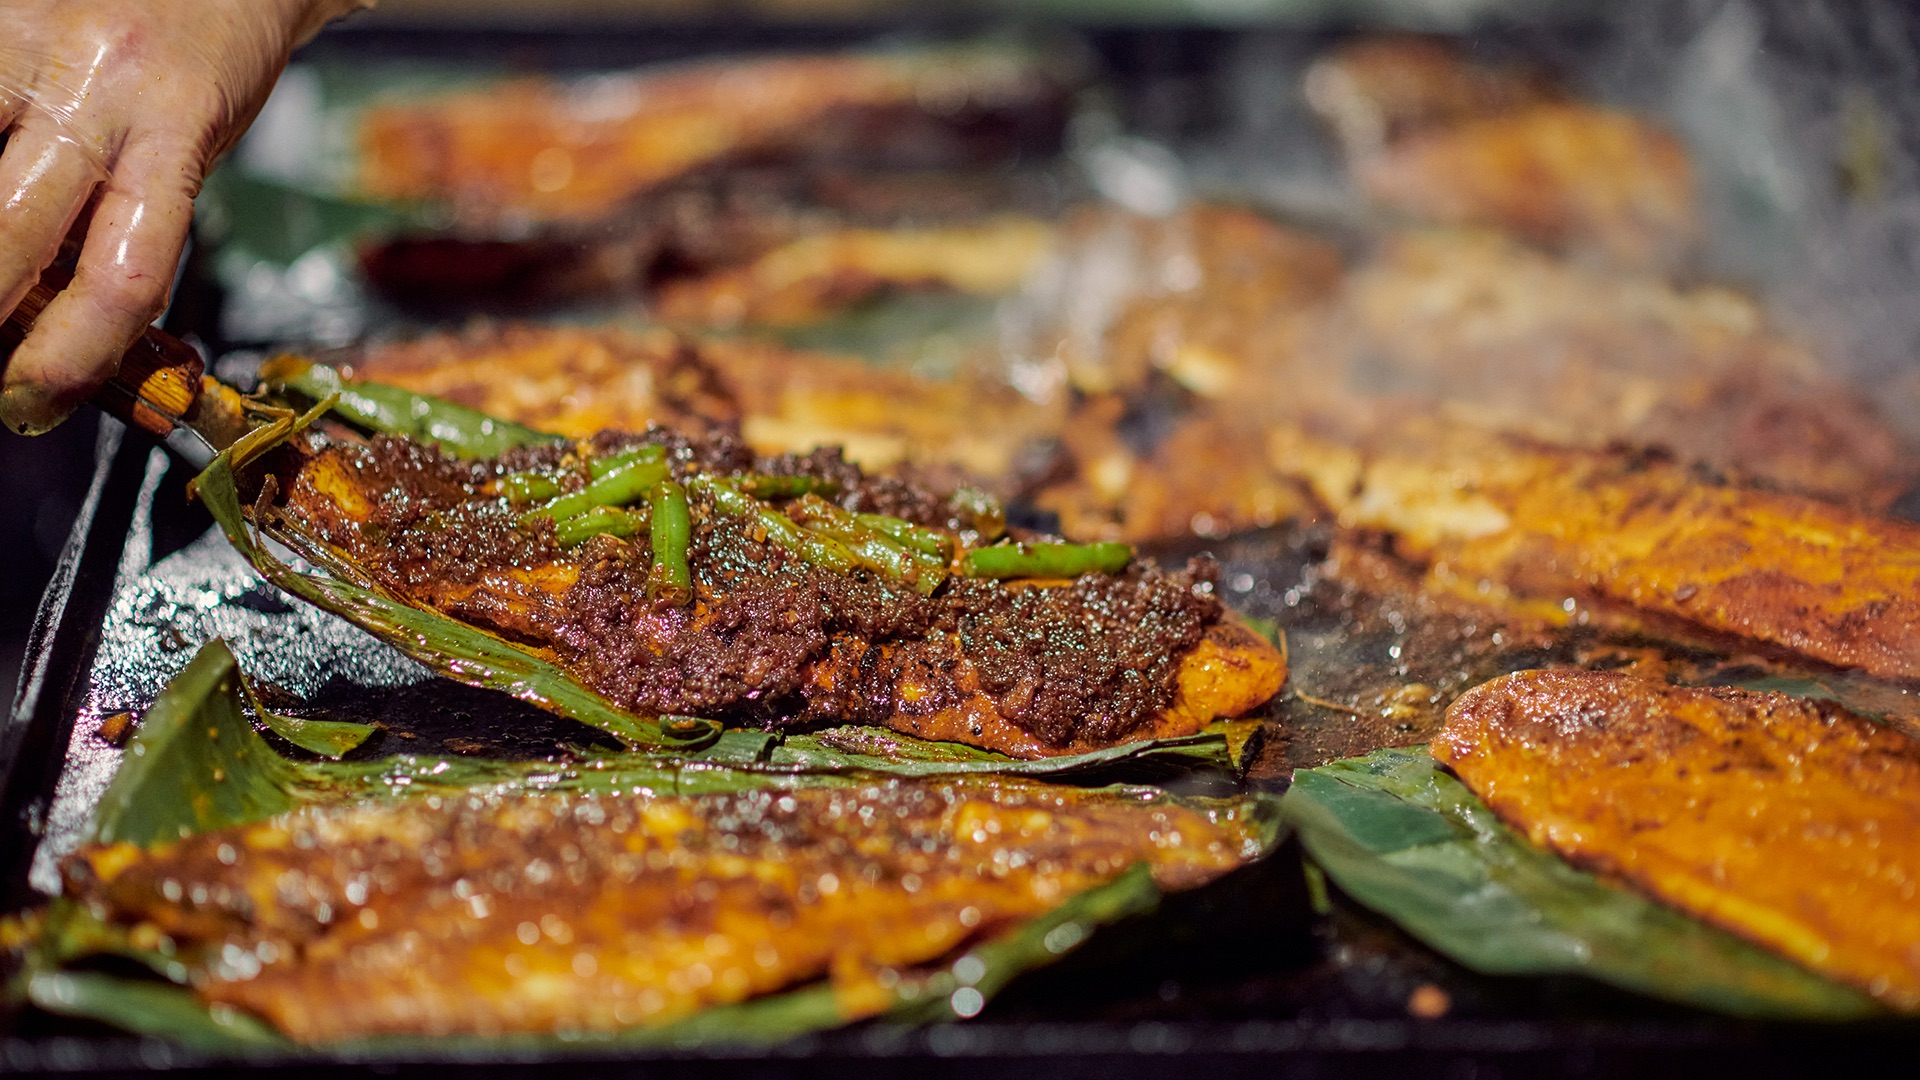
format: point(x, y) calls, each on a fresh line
point(116, 110)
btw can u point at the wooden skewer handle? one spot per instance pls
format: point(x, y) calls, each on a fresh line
point(160, 377)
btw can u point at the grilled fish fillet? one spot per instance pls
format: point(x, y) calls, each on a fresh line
point(548, 150)
point(1508, 337)
point(496, 915)
point(1566, 175)
point(1790, 822)
point(820, 275)
point(1465, 324)
point(1031, 668)
point(711, 224)
point(575, 381)
point(1493, 516)
point(1377, 90)
point(1206, 478)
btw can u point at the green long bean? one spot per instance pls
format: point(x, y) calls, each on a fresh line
point(598, 467)
point(879, 552)
point(529, 486)
point(671, 579)
point(918, 537)
point(600, 519)
point(821, 551)
point(622, 485)
point(1047, 560)
point(464, 431)
point(534, 485)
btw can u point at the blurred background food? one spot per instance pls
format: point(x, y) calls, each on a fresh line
point(1097, 256)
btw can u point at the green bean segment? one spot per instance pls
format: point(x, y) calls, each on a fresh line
point(526, 487)
point(622, 485)
point(918, 537)
point(879, 552)
point(600, 466)
point(600, 519)
point(822, 551)
point(1047, 560)
point(464, 431)
point(534, 485)
point(671, 579)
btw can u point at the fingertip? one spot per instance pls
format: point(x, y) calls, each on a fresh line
point(73, 348)
point(51, 374)
point(33, 408)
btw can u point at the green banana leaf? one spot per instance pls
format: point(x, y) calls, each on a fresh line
point(328, 738)
point(443, 645)
point(197, 765)
point(1224, 744)
point(1408, 840)
point(472, 656)
point(155, 1009)
point(257, 218)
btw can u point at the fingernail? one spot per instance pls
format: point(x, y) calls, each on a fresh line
point(31, 409)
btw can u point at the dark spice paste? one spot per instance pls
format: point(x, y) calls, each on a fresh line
point(770, 639)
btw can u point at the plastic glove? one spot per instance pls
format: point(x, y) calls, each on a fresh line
point(115, 110)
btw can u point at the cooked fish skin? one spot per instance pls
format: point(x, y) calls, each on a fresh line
point(1790, 822)
point(1566, 175)
point(1503, 518)
point(568, 380)
point(704, 226)
point(822, 274)
point(1230, 671)
point(1508, 337)
point(553, 912)
point(1469, 323)
point(546, 150)
point(1471, 326)
point(1206, 478)
point(1379, 89)
point(1030, 668)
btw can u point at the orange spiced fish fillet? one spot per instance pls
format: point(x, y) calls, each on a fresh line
point(1790, 822)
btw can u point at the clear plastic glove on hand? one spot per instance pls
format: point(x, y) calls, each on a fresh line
point(114, 111)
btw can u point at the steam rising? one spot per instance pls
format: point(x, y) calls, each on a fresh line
point(1801, 120)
